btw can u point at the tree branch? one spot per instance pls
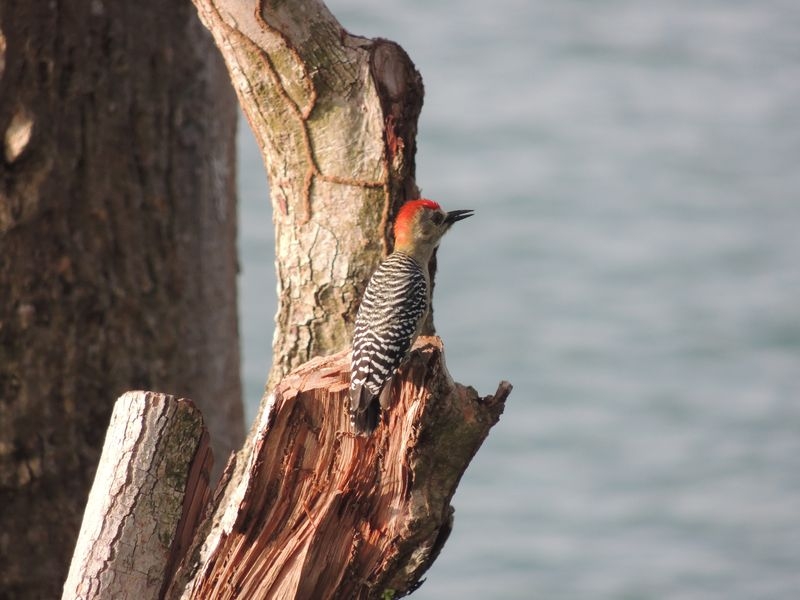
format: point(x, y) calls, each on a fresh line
point(148, 495)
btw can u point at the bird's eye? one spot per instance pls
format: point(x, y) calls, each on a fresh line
point(437, 218)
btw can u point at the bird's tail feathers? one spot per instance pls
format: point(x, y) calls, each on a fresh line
point(364, 411)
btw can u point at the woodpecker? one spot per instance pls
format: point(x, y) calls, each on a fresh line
point(394, 307)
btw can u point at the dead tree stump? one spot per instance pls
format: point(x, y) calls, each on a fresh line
point(306, 510)
point(315, 512)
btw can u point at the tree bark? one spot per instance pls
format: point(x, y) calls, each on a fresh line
point(117, 250)
point(335, 116)
point(148, 494)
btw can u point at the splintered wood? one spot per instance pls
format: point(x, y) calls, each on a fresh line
point(312, 511)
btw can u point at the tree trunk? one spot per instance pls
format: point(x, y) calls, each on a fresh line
point(117, 251)
point(335, 116)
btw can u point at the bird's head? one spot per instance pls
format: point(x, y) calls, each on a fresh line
point(420, 225)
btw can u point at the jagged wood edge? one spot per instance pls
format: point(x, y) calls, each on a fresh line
point(314, 512)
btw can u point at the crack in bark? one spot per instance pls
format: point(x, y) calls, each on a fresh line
point(303, 115)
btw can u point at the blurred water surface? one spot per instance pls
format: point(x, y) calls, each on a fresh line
point(632, 268)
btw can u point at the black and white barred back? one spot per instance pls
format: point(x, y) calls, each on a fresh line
point(394, 303)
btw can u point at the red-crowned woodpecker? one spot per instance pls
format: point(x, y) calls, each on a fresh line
point(393, 308)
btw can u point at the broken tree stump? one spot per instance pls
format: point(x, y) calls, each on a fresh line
point(312, 512)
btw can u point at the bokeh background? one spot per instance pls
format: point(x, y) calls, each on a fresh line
point(633, 268)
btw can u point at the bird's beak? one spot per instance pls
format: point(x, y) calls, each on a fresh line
point(457, 215)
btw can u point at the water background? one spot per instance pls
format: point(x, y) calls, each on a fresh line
point(632, 268)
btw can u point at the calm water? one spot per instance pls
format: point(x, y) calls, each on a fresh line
point(632, 269)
